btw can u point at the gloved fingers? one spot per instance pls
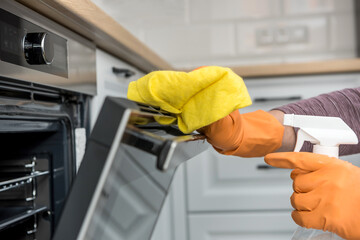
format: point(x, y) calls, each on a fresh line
point(304, 201)
point(302, 160)
point(307, 181)
point(308, 219)
point(199, 68)
point(220, 134)
point(202, 130)
point(211, 131)
point(296, 172)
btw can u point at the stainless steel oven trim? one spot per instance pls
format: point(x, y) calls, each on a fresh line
point(81, 56)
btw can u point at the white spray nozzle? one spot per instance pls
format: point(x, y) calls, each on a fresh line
point(327, 133)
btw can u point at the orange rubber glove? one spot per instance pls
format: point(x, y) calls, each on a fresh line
point(252, 134)
point(326, 192)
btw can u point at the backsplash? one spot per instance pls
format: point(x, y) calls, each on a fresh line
point(191, 33)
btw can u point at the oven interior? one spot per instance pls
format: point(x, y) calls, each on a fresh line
point(37, 161)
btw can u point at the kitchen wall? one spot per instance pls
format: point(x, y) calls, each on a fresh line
point(190, 33)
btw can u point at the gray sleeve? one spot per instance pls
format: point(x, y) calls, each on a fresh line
point(344, 104)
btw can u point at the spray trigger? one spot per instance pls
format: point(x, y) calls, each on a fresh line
point(303, 136)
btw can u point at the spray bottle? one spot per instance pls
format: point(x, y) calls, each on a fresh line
point(326, 133)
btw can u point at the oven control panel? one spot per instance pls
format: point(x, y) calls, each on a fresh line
point(28, 45)
point(38, 48)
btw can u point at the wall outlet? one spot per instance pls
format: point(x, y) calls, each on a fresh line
point(298, 34)
point(281, 35)
point(265, 36)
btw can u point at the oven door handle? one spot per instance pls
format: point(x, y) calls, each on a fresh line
point(169, 156)
point(163, 148)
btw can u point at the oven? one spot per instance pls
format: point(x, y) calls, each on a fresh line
point(128, 166)
point(47, 78)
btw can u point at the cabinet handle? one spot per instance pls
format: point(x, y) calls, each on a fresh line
point(269, 99)
point(265, 167)
point(123, 71)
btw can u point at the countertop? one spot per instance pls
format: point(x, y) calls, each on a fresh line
point(85, 18)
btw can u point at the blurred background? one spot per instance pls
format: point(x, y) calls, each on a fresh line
point(189, 33)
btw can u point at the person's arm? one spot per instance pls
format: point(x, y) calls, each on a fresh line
point(259, 133)
point(289, 136)
point(344, 104)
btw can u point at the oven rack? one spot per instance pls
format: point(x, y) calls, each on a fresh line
point(17, 182)
point(12, 215)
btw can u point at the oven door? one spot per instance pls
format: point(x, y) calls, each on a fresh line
point(125, 174)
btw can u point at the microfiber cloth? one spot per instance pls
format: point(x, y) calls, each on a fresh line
point(197, 98)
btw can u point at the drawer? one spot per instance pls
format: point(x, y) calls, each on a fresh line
point(110, 83)
point(273, 92)
point(242, 226)
point(217, 182)
point(225, 183)
point(354, 159)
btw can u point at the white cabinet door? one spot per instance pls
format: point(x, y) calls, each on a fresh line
point(227, 183)
point(242, 226)
point(110, 83)
point(172, 222)
point(268, 92)
point(216, 182)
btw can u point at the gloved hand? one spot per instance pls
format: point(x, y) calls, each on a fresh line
point(326, 192)
point(252, 134)
point(197, 98)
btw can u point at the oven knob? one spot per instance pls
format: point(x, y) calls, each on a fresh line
point(38, 48)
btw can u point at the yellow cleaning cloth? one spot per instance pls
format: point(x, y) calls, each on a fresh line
point(198, 98)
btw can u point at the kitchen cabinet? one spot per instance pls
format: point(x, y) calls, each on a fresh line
point(237, 198)
point(242, 226)
point(112, 78)
point(173, 219)
point(226, 197)
point(229, 183)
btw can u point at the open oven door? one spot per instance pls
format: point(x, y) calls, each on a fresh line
point(125, 175)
